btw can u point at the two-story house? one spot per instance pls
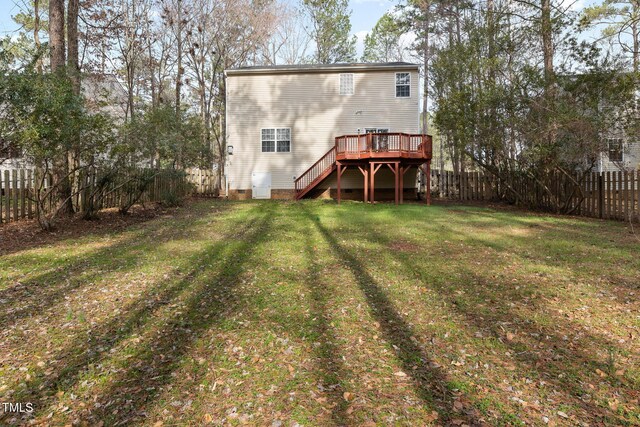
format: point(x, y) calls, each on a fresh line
point(324, 130)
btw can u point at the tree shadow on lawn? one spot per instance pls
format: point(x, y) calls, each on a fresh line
point(150, 366)
point(332, 372)
point(489, 219)
point(212, 300)
point(430, 383)
point(570, 251)
point(39, 293)
point(565, 363)
point(555, 243)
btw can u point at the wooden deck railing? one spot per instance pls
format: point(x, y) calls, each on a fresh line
point(317, 171)
point(365, 145)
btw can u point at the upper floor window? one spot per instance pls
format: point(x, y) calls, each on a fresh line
point(346, 84)
point(276, 140)
point(615, 149)
point(403, 85)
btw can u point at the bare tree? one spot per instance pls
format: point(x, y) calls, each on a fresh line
point(290, 41)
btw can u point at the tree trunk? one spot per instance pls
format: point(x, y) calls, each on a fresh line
point(179, 57)
point(36, 33)
point(73, 67)
point(549, 76)
point(56, 35)
point(425, 60)
point(636, 35)
point(547, 48)
point(57, 58)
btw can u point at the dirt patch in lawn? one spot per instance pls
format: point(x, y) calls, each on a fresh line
point(21, 235)
point(404, 246)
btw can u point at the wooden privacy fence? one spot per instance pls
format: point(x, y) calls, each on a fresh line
point(606, 195)
point(205, 182)
point(18, 189)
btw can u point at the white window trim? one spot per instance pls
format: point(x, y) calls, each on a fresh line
point(377, 128)
point(621, 150)
point(275, 151)
point(395, 85)
point(340, 84)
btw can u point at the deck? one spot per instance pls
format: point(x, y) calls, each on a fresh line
point(381, 146)
point(369, 152)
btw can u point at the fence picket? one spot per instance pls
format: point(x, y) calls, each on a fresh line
point(619, 215)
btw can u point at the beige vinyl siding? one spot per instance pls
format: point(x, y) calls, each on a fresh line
point(630, 159)
point(309, 104)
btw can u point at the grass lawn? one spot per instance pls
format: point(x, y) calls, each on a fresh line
point(282, 313)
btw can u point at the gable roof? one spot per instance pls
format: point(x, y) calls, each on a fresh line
point(320, 68)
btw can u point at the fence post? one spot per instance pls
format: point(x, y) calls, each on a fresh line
point(14, 188)
point(1, 198)
point(29, 190)
point(7, 197)
point(22, 194)
point(600, 196)
point(632, 190)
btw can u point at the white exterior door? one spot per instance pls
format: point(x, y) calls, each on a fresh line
point(261, 185)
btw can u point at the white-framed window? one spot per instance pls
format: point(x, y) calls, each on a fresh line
point(403, 85)
point(615, 149)
point(276, 140)
point(346, 84)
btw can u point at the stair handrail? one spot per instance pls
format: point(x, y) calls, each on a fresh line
point(304, 180)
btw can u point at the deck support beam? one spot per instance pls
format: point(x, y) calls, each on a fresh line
point(374, 168)
point(339, 166)
point(394, 166)
point(365, 174)
point(396, 173)
point(341, 170)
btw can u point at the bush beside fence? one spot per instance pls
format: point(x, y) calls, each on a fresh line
point(20, 189)
point(606, 195)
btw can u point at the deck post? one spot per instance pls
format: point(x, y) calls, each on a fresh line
point(366, 184)
point(372, 176)
point(427, 189)
point(402, 169)
point(339, 175)
point(396, 171)
point(365, 174)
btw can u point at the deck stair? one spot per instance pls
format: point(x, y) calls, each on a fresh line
point(316, 173)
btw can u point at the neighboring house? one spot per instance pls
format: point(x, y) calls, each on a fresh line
point(623, 154)
point(103, 94)
point(282, 120)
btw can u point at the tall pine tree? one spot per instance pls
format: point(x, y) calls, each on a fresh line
point(331, 28)
point(383, 43)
